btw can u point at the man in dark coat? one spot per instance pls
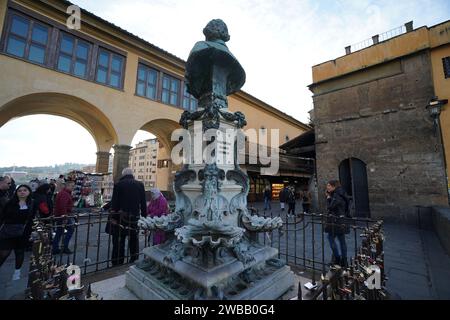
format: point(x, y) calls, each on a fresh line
point(283, 197)
point(336, 225)
point(127, 204)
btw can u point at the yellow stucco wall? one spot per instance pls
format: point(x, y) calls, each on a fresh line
point(442, 91)
point(408, 43)
point(111, 116)
point(436, 39)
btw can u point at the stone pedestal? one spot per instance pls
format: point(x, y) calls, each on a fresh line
point(267, 278)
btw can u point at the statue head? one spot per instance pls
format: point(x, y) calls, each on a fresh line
point(216, 30)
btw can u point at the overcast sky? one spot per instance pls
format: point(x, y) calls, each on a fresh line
point(276, 41)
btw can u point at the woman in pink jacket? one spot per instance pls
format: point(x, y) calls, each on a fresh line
point(156, 208)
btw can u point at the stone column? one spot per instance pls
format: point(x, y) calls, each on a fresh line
point(102, 162)
point(121, 159)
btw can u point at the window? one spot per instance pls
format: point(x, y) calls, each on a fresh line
point(170, 89)
point(163, 163)
point(109, 68)
point(446, 63)
point(27, 39)
point(189, 102)
point(146, 82)
point(73, 54)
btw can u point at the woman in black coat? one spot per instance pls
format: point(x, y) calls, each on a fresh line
point(335, 225)
point(16, 226)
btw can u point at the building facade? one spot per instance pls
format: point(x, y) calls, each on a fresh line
point(143, 161)
point(373, 130)
point(108, 80)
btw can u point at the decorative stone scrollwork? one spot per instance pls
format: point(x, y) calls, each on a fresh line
point(211, 115)
point(209, 233)
point(165, 223)
point(176, 252)
point(260, 224)
point(183, 203)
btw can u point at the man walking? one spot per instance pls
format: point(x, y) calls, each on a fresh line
point(267, 198)
point(291, 201)
point(283, 197)
point(63, 211)
point(127, 204)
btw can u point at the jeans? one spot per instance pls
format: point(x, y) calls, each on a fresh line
point(291, 208)
point(342, 244)
point(267, 204)
point(62, 224)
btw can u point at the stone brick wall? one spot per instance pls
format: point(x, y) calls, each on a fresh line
point(384, 123)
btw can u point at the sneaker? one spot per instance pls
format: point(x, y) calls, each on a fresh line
point(16, 275)
point(67, 251)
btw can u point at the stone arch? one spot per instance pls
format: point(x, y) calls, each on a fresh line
point(67, 106)
point(162, 129)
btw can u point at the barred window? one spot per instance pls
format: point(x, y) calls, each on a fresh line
point(446, 63)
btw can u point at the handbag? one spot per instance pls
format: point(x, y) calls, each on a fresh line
point(8, 231)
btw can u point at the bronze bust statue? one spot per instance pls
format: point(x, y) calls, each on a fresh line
point(211, 68)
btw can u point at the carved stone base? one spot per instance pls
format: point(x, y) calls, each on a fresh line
point(270, 283)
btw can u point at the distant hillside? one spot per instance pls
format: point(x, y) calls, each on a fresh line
point(47, 170)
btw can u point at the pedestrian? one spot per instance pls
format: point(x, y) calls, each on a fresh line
point(42, 199)
point(16, 226)
point(335, 225)
point(52, 189)
point(12, 188)
point(60, 183)
point(291, 201)
point(267, 198)
point(127, 204)
point(5, 183)
point(307, 198)
point(64, 218)
point(283, 197)
point(157, 207)
point(34, 184)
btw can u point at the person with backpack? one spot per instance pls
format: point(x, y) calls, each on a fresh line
point(336, 225)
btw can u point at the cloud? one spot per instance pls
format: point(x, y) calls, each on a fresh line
point(276, 41)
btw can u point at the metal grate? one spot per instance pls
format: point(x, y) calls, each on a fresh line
point(446, 64)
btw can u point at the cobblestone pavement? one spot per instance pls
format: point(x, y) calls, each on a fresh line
point(416, 265)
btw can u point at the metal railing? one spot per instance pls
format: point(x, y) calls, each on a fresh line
point(407, 27)
point(301, 242)
point(91, 245)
